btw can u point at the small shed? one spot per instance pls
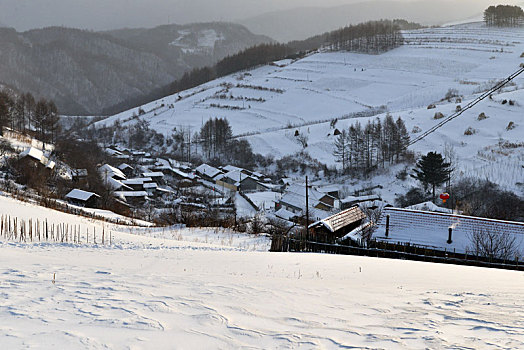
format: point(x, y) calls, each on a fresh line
point(337, 225)
point(83, 198)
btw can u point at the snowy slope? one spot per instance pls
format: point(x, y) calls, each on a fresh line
point(268, 104)
point(157, 293)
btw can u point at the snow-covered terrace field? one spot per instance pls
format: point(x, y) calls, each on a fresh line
point(274, 101)
point(174, 292)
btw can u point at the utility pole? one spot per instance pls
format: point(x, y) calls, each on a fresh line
point(307, 209)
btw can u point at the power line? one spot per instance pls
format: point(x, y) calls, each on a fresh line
point(470, 105)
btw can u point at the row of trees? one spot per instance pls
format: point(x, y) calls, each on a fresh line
point(214, 136)
point(23, 113)
point(362, 149)
point(369, 37)
point(504, 16)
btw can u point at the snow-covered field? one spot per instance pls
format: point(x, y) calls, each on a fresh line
point(270, 103)
point(156, 290)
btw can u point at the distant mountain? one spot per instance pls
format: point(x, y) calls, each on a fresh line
point(86, 72)
point(304, 22)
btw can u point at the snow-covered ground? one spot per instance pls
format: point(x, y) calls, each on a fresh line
point(167, 292)
point(270, 103)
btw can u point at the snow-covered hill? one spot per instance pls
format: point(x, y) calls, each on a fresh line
point(181, 292)
point(267, 105)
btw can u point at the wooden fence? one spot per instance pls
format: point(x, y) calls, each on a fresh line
point(395, 251)
point(19, 230)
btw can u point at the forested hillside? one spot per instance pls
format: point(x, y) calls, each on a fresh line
point(87, 72)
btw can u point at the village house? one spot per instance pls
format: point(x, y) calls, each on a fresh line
point(156, 177)
point(33, 158)
point(133, 198)
point(442, 231)
point(236, 180)
point(83, 198)
point(207, 172)
point(347, 223)
point(371, 201)
point(108, 171)
point(127, 169)
point(137, 184)
point(113, 178)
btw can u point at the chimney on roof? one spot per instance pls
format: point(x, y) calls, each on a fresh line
point(387, 226)
point(450, 235)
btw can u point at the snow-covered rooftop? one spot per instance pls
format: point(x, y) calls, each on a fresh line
point(207, 170)
point(339, 220)
point(80, 195)
point(153, 174)
point(32, 152)
point(110, 171)
point(124, 166)
point(431, 229)
point(137, 181)
point(131, 193)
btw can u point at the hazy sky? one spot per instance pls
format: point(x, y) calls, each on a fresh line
point(110, 14)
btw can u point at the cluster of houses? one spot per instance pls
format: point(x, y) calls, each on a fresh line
point(140, 178)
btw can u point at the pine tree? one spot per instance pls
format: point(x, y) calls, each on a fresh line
point(432, 170)
point(341, 151)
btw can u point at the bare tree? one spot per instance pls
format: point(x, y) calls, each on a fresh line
point(302, 140)
point(492, 244)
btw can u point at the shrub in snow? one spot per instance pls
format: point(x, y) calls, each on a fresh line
point(402, 174)
point(470, 131)
point(522, 55)
point(458, 100)
point(511, 102)
point(458, 109)
point(413, 196)
point(438, 115)
point(504, 102)
point(432, 106)
point(451, 94)
point(510, 126)
point(416, 129)
point(482, 116)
